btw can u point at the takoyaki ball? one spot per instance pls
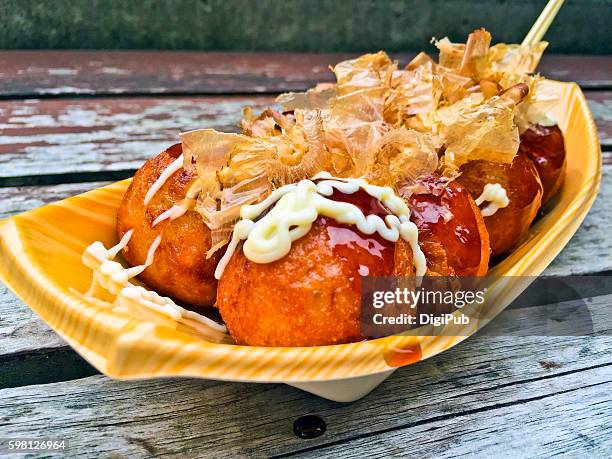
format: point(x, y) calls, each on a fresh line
point(522, 183)
point(311, 296)
point(545, 147)
point(452, 233)
point(180, 268)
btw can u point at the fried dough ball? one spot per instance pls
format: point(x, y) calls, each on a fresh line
point(524, 189)
point(545, 147)
point(311, 296)
point(452, 232)
point(180, 268)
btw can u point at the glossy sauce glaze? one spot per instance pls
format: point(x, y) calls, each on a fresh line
point(523, 187)
point(371, 254)
point(545, 146)
point(446, 216)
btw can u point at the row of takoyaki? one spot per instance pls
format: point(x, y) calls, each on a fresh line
point(311, 296)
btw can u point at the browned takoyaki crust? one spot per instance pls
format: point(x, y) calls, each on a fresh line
point(524, 189)
point(544, 145)
point(452, 232)
point(180, 268)
point(311, 296)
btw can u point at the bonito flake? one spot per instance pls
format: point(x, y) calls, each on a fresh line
point(387, 124)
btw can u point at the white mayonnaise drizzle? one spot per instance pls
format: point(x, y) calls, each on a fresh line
point(181, 207)
point(176, 165)
point(297, 206)
point(113, 277)
point(497, 197)
point(163, 305)
point(111, 274)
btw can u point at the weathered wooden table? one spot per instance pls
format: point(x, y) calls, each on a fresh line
point(72, 121)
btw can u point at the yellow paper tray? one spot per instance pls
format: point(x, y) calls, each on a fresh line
point(40, 260)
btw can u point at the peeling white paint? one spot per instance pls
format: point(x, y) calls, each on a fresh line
point(114, 71)
point(63, 90)
point(62, 71)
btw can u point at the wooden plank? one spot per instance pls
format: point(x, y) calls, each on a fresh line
point(315, 25)
point(590, 250)
point(56, 73)
point(20, 199)
point(573, 423)
point(52, 73)
point(94, 135)
point(92, 138)
point(590, 72)
point(600, 103)
point(503, 377)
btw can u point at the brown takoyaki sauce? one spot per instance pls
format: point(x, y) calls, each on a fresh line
point(374, 254)
point(448, 217)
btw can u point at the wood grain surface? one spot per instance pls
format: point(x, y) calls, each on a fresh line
point(69, 73)
point(68, 137)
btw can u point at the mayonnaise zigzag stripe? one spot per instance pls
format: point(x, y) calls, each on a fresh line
point(295, 207)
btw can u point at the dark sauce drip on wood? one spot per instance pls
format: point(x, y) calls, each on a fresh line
point(310, 426)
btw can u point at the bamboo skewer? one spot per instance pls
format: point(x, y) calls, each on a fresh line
point(541, 25)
